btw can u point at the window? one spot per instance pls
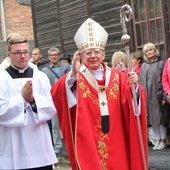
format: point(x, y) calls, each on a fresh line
point(148, 24)
point(24, 2)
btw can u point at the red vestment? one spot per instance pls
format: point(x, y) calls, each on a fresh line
point(88, 147)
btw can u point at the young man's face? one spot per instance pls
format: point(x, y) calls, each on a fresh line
point(19, 54)
point(36, 56)
point(93, 58)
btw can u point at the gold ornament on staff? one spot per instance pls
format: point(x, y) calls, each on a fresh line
point(126, 15)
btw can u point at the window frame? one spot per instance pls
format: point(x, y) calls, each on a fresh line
point(161, 45)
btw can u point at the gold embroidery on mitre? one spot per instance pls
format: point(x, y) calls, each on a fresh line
point(91, 39)
point(86, 46)
point(91, 44)
point(90, 29)
point(97, 44)
point(90, 34)
point(89, 23)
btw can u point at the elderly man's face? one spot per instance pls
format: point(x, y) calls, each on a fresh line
point(93, 58)
point(54, 57)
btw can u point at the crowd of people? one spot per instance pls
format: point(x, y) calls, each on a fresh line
point(154, 76)
point(84, 102)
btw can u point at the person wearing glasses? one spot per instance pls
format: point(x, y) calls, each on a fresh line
point(6, 62)
point(26, 106)
point(54, 70)
point(95, 108)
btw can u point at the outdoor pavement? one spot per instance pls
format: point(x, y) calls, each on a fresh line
point(158, 160)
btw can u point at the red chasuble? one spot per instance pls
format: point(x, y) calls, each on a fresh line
point(88, 147)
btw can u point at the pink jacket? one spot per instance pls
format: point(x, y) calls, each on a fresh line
point(166, 77)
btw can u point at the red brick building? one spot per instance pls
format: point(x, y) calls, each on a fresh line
point(15, 18)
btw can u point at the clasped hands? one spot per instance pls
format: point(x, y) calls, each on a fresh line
point(27, 92)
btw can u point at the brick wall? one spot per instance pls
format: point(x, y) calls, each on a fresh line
point(18, 18)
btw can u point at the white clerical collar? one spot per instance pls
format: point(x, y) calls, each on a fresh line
point(20, 71)
point(98, 74)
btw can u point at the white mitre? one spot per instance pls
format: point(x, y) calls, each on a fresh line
point(90, 35)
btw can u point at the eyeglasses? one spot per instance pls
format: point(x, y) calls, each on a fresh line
point(90, 53)
point(53, 55)
point(19, 53)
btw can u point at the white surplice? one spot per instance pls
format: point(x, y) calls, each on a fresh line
point(25, 140)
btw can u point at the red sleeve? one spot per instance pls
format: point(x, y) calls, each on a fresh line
point(130, 125)
point(135, 123)
point(65, 116)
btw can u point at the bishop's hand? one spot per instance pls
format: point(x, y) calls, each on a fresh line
point(132, 77)
point(75, 63)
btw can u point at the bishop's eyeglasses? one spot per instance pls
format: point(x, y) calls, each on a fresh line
point(19, 53)
point(89, 53)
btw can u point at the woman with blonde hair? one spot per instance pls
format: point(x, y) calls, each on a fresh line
point(150, 47)
point(151, 78)
point(119, 60)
